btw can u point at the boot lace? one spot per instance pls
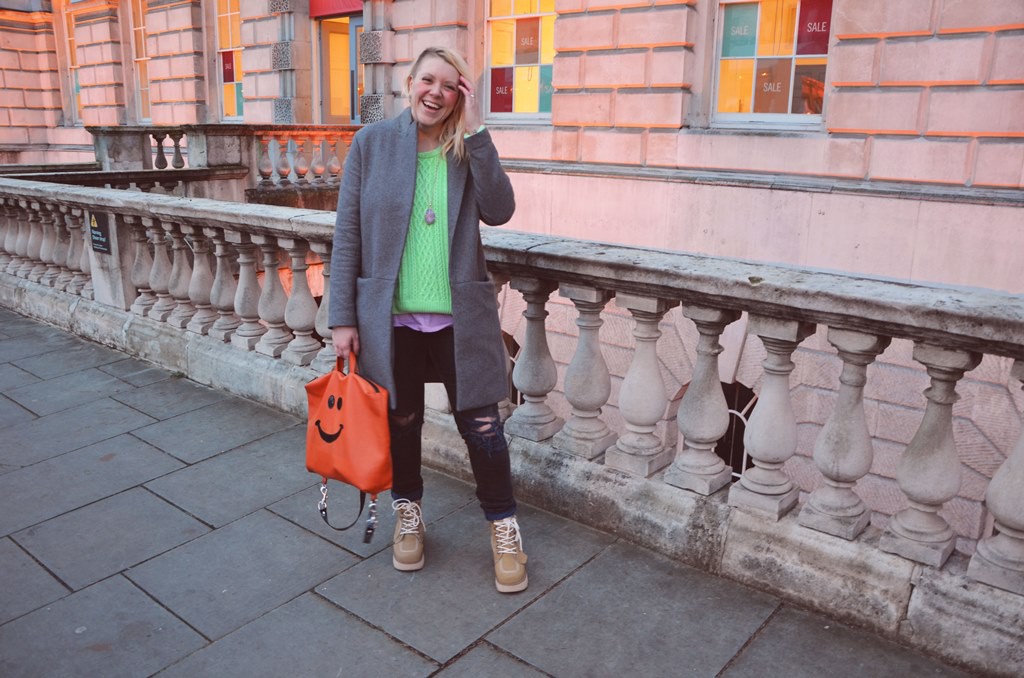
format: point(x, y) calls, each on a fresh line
point(506, 534)
point(410, 515)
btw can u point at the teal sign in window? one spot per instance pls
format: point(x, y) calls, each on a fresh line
point(739, 37)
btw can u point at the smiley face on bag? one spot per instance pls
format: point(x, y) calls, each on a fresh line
point(333, 405)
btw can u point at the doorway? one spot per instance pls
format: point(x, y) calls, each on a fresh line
point(341, 74)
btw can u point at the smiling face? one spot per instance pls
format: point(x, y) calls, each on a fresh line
point(434, 93)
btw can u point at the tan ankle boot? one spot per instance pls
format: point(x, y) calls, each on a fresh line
point(509, 559)
point(407, 549)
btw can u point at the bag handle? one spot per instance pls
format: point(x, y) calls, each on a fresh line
point(352, 369)
point(371, 520)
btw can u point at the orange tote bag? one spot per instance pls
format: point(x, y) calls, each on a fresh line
point(347, 437)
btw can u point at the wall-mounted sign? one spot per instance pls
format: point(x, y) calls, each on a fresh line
point(99, 232)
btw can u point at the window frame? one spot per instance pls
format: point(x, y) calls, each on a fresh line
point(218, 65)
point(140, 53)
point(489, 117)
point(784, 122)
point(67, 65)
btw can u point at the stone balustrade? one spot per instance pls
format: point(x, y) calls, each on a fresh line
point(244, 281)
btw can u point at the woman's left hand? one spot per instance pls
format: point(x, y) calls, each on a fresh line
point(472, 110)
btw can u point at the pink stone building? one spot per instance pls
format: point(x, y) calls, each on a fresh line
point(862, 136)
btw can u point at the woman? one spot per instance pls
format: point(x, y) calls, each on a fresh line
point(409, 287)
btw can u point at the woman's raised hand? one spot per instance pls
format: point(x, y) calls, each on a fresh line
point(472, 108)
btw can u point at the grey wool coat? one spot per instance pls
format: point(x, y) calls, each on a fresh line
point(374, 207)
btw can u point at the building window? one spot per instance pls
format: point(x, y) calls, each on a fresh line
point(772, 56)
point(141, 58)
point(73, 88)
point(521, 51)
point(229, 58)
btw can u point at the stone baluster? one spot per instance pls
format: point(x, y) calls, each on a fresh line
point(178, 283)
point(703, 416)
point(284, 165)
point(247, 294)
point(265, 166)
point(200, 286)
point(587, 383)
point(34, 265)
point(85, 263)
point(7, 227)
point(499, 280)
point(842, 451)
point(334, 164)
point(317, 165)
point(23, 262)
point(300, 311)
point(535, 374)
point(177, 162)
point(17, 239)
point(642, 400)
point(999, 559)
point(224, 288)
point(76, 250)
point(770, 437)
point(273, 301)
point(929, 470)
point(301, 164)
point(48, 214)
point(160, 162)
point(160, 272)
point(142, 266)
point(326, 359)
point(61, 248)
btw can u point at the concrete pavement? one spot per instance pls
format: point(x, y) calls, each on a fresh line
point(153, 526)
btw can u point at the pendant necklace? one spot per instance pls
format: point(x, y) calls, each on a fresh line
point(429, 216)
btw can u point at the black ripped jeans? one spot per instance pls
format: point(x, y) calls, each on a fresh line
point(415, 354)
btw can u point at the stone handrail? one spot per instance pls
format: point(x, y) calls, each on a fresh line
point(194, 265)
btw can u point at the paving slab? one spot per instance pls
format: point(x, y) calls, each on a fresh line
point(36, 343)
point(229, 577)
point(27, 585)
point(638, 609)
point(170, 397)
point(203, 433)
point(42, 491)
point(40, 439)
point(486, 660)
point(67, 359)
point(65, 392)
point(443, 495)
point(236, 483)
point(111, 535)
point(800, 644)
point(110, 629)
point(305, 637)
point(13, 377)
point(135, 372)
point(455, 591)
point(12, 413)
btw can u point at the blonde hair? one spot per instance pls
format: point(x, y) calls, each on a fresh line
point(454, 129)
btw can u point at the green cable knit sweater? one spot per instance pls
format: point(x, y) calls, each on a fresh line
point(423, 285)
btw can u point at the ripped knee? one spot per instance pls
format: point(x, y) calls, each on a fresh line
point(486, 433)
point(404, 424)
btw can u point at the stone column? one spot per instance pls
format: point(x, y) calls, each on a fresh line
point(35, 242)
point(160, 272)
point(43, 258)
point(326, 359)
point(200, 285)
point(842, 451)
point(85, 263)
point(50, 250)
point(999, 559)
point(377, 54)
point(300, 311)
point(222, 292)
point(247, 295)
point(929, 470)
point(21, 239)
point(770, 438)
point(10, 242)
point(587, 383)
point(142, 266)
point(273, 301)
point(642, 399)
point(76, 250)
point(181, 277)
point(6, 228)
point(535, 373)
point(703, 416)
point(499, 280)
point(62, 252)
